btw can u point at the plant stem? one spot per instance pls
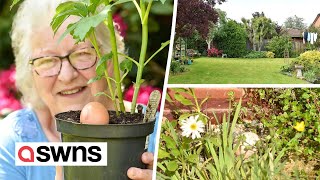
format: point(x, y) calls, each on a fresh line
point(143, 51)
point(115, 62)
point(93, 40)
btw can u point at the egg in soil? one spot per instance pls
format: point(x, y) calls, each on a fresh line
point(94, 113)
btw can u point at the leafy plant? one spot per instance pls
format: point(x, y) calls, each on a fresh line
point(256, 54)
point(92, 13)
point(188, 98)
point(176, 67)
point(213, 155)
point(214, 52)
point(270, 54)
point(310, 60)
point(231, 38)
point(279, 44)
point(310, 75)
point(282, 109)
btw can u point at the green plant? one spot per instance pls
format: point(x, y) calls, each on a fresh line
point(256, 54)
point(310, 75)
point(270, 54)
point(279, 44)
point(310, 60)
point(183, 96)
point(231, 38)
point(281, 109)
point(91, 14)
point(309, 57)
point(176, 67)
point(212, 156)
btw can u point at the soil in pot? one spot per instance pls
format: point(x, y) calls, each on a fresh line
point(122, 118)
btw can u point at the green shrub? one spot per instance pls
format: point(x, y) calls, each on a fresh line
point(177, 67)
point(256, 54)
point(310, 75)
point(270, 54)
point(232, 38)
point(279, 44)
point(310, 60)
point(312, 57)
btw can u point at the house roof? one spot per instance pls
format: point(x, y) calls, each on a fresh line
point(292, 32)
point(315, 20)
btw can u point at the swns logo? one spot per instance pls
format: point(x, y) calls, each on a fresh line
point(61, 154)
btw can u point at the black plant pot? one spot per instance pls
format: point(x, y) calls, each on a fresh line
point(126, 143)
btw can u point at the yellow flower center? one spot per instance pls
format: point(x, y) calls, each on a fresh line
point(193, 126)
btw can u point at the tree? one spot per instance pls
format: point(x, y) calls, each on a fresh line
point(262, 27)
point(231, 38)
point(259, 28)
point(214, 2)
point(214, 28)
point(295, 22)
point(194, 15)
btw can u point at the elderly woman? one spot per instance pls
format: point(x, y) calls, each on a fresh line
point(52, 78)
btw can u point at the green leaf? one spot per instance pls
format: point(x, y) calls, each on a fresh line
point(163, 154)
point(172, 165)
point(126, 65)
point(86, 24)
point(194, 158)
point(175, 152)
point(102, 66)
point(168, 98)
point(14, 3)
point(94, 79)
point(305, 96)
point(179, 90)
point(169, 142)
point(66, 9)
point(185, 116)
point(183, 100)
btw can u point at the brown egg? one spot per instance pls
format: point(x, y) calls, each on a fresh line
point(94, 113)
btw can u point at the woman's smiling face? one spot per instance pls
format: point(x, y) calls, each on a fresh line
point(67, 90)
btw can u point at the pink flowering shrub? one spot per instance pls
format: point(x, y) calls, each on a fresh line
point(8, 92)
point(143, 95)
point(214, 52)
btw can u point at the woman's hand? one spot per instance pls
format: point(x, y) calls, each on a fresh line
point(142, 174)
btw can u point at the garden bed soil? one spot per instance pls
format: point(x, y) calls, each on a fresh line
point(123, 118)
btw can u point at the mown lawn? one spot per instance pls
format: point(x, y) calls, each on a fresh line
point(234, 71)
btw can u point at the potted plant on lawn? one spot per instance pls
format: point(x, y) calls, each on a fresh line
point(126, 141)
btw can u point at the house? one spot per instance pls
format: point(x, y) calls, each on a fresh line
point(316, 22)
point(297, 39)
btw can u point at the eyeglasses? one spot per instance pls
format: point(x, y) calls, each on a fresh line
point(51, 65)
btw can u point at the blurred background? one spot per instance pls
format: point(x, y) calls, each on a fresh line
point(129, 25)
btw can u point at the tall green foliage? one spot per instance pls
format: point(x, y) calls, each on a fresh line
point(295, 22)
point(258, 29)
point(231, 38)
point(279, 44)
point(262, 28)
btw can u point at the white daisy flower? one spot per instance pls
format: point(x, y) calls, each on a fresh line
point(191, 126)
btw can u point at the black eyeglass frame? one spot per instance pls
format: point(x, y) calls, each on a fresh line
point(31, 62)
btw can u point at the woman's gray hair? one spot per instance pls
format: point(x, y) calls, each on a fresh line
point(33, 14)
